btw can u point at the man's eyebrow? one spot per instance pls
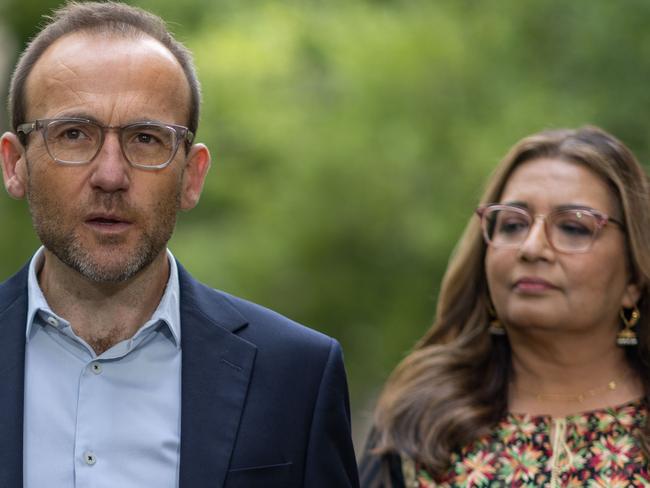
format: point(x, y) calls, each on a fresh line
point(145, 120)
point(78, 115)
point(92, 118)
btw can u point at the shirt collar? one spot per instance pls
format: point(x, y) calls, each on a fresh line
point(168, 310)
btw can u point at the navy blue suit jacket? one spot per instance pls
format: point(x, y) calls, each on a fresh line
point(264, 400)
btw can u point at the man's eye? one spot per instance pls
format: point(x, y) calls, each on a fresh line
point(69, 133)
point(146, 138)
point(72, 134)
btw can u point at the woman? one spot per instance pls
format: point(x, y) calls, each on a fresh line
point(536, 370)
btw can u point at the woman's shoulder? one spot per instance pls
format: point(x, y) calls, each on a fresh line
point(380, 470)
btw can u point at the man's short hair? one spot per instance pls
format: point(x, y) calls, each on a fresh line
point(99, 17)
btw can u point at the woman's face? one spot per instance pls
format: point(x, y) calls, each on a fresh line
point(534, 286)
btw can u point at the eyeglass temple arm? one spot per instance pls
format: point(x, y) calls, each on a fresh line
point(617, 222)
point(26, 128)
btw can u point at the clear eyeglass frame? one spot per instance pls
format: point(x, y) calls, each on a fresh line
point(600, 220)
point(180, 134)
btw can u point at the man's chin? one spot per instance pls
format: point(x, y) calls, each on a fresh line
point(112, 264)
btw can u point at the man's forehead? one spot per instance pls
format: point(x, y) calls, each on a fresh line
point(90, 66)
point(120, 43)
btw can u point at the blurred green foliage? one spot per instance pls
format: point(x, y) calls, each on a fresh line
point(351, 139)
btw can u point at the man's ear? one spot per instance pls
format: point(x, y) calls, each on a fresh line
point(196, 169)
point(14, 165)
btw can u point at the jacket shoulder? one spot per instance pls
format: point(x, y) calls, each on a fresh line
point(13, 288)
point(252, 322)
point(266, 322)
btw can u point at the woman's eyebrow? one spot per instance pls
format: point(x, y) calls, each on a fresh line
point(517, 203)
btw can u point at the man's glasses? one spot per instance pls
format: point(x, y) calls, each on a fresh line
point(571, 230)
point(147, 145)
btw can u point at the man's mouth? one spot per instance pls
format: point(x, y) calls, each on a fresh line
point(108, 222)
point(105, 221)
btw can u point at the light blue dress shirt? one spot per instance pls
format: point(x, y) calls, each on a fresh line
point(104, 421)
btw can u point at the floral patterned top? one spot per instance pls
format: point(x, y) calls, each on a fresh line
point(591, 449)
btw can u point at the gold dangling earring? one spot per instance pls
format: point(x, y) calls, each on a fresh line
point(496, 327)
point(627, 336)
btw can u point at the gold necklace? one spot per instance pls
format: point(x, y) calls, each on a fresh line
point(577, 398)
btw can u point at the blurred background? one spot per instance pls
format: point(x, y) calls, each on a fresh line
point(351, 139)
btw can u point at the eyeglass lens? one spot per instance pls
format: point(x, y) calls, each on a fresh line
point(79, 142)
point(568, 230)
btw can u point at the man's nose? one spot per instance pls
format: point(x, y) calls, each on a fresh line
point(110, 169)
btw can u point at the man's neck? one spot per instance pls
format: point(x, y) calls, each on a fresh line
point(103, 314)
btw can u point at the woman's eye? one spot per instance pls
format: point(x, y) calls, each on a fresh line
point(574, 228)
point(512, 226)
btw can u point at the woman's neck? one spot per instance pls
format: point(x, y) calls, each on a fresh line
point(560, 375)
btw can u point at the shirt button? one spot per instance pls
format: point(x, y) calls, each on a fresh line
point(52, 321)
point(90, 458)
point(96, 368)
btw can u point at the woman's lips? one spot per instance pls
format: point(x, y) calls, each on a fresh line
point(533, 285)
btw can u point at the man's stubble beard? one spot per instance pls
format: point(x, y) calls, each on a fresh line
point(66, 244)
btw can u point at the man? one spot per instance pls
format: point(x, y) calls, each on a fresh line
point(117, 369)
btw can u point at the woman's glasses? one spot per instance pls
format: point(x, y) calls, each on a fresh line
point(570, 230)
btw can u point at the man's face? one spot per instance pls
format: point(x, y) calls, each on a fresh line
point(106, 219)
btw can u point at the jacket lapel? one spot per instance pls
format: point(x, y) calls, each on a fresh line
point(13, 316)
point(216, 370)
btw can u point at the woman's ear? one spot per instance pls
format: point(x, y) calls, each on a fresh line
point(631, 295)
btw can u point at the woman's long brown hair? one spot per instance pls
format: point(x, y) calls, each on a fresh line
point(453, 387)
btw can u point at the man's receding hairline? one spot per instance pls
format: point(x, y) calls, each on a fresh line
point(116, 35)
point(111, 19)
point(110, 35)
